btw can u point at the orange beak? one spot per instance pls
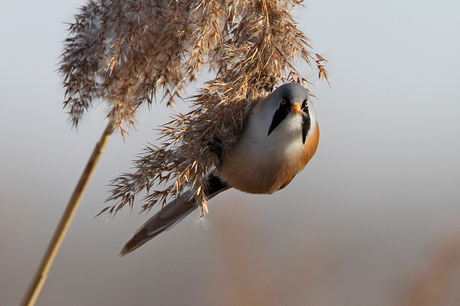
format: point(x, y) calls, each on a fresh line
point(295, 109)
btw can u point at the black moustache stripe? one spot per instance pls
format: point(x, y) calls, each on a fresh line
point(279, 116)
point(306, 124)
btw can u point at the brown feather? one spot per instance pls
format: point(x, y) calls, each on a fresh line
point(311, 144)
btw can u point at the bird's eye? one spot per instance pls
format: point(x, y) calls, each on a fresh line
point(283, 101)
point(304, 104)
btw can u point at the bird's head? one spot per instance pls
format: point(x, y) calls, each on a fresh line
point(290, 110)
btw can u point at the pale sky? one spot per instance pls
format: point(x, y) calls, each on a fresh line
point(383, 187)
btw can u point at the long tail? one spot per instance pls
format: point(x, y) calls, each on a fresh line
point(172, 213)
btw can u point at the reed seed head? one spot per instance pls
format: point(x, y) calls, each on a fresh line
point(130, 52)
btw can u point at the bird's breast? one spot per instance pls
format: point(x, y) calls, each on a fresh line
point(264, 164)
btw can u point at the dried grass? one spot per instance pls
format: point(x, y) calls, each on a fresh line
point(128, 52)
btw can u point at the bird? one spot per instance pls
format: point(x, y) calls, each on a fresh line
point(279, 138)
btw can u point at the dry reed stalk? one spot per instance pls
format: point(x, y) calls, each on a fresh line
point(59, 234)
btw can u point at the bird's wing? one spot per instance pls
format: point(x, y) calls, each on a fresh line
point(172, 213)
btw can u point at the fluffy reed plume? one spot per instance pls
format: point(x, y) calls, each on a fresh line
point(123, 51)
point(129, 52)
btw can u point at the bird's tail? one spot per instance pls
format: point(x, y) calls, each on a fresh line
point(171, 214)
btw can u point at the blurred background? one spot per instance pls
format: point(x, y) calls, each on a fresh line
point(374, 219)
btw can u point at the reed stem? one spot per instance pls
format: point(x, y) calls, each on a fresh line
point(53, 247)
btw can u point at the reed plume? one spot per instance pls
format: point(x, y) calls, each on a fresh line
point(133, 52)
